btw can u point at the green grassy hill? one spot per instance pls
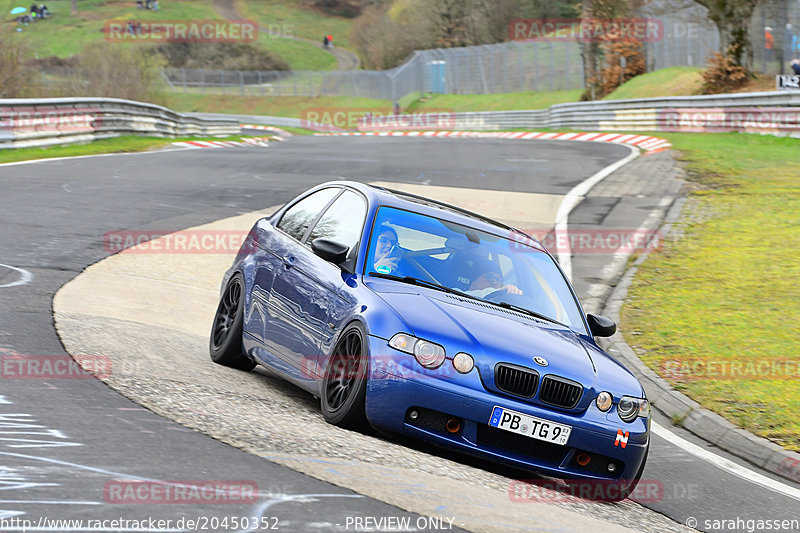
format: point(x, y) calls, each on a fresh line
point(672, 81)
point(65, 34)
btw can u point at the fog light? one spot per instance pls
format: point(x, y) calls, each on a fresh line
point(612, 467)
point(583, 459)
point(413, 415)
point(463, 362)
point(453, 425)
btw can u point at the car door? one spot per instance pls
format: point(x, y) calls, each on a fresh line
point(269, 310)
point(307, 286)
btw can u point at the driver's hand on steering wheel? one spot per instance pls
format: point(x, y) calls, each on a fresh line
point(511, 289)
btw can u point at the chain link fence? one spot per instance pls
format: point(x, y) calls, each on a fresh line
point(496, 68)
point(689, 38)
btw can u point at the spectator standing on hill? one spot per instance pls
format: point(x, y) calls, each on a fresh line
point(155, 5)
point(325, 42)
point(34, 9)
point(330, 41)
point(796, 66)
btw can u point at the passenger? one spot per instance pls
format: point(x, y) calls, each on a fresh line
point(489, 280)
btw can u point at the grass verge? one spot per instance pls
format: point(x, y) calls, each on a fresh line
point(278, 106)
point(122, 144)
point(295, 106)
point(712, 311)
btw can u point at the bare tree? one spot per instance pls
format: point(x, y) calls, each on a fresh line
point(732, 18)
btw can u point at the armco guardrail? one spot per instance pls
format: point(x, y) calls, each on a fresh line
point(766, 112)
point(41, 122)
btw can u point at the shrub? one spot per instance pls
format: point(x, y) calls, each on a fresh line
point(614, 74)
point(116, 71)
point(224, 56)
point(18, 77)
point(723, 74)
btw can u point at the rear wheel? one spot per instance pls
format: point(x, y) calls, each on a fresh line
point(225, 344)
point(345, 384)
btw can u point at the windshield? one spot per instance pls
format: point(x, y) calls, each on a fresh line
point(482, 265)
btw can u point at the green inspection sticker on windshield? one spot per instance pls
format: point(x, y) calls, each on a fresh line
point(383, 269)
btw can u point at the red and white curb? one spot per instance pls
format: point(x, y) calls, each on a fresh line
point(647, 143)
point(280, 135)
point(256, 141)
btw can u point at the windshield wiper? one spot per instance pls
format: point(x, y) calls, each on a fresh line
point(527, 311)
point(422, 283)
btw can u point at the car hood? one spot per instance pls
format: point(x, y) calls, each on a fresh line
point(489, 333)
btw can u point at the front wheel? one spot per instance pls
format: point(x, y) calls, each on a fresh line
point(225, 344)
point(345, 384)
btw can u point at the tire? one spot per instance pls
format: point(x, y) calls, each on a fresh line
point(225, 342)
point(344, 386)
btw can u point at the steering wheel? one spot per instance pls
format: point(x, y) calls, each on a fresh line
point(500, 295)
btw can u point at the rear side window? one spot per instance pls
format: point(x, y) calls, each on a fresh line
point(299, 217)
point(343, 221)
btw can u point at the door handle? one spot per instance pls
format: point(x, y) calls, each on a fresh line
point(288, 262)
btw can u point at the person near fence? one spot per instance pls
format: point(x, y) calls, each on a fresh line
point(769, 43)
point(796, 66)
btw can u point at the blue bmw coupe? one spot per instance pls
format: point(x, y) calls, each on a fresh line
point(424, 319)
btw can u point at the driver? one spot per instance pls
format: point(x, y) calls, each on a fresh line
point(386, 252)
point(489, 280)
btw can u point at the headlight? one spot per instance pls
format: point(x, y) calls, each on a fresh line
point(604, 401)
point(463, 362)
point(629, 408)
point(428, 354)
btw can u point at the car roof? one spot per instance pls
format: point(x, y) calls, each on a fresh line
point(427, 206)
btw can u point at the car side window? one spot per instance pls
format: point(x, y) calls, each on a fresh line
point(343, 221)
point(298, 218)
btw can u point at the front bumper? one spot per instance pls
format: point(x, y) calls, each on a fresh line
point(393, 394)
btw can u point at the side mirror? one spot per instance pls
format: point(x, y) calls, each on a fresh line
point(601, 326)
point(329, 250)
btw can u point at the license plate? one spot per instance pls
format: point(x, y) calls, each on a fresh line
point(530, 426)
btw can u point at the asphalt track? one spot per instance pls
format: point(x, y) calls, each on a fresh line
point(78, 434)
